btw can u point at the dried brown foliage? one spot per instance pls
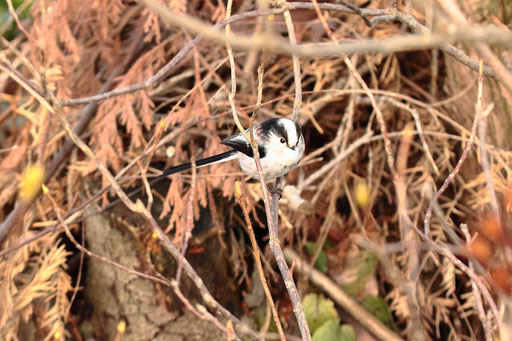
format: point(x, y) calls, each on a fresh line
point(376, 154)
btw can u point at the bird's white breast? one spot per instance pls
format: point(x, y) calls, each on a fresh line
point(278, 161)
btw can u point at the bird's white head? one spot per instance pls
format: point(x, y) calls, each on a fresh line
point(280, 131)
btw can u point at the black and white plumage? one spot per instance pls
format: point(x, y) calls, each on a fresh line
point(280, 145)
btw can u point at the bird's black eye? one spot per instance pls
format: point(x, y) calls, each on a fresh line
point(282, 140)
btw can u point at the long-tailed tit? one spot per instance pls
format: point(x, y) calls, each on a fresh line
point(280, 145)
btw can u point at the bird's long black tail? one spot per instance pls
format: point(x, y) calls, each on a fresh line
point(200, 163)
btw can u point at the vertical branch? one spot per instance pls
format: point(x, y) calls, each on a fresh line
point(296, 64)
point(275, 247)
point(274, 243)
point(272, 210)
point(256, 254)
point(271, 203)
point(415, 328)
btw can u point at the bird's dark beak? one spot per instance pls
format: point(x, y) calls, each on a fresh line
point(293, 148)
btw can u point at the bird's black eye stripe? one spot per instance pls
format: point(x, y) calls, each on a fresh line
point(280, 131)
point(298, 130)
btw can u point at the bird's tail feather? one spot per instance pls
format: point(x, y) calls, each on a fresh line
point(219, 158)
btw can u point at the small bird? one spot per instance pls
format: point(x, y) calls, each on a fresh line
point(280, 145)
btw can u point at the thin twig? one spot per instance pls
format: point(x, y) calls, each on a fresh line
point(408, 286)
point(380, 117)
point(190, 216)
point(295, 60)
point(14, 15)
point(468, 34)
point(270, 211)
point(173, 284)
point(419, 127)
point(476, 293)
point(256, 254)
point(479, 113)
point(444, 250)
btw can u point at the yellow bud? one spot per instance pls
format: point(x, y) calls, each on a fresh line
point(408, 131)
point(45, 189)
point(57, 335)
point(362, 193)
point(162, 124)
point(238, 190)
point(154, 235)
point(31, 181)
point(121, 327)
point(229, 326)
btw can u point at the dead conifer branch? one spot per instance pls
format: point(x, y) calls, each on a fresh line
point(444, 250)
point(137, 207)
point(424, 281)
point(85, 115)
point(428, 40)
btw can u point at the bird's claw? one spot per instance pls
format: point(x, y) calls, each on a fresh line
point(277, 191)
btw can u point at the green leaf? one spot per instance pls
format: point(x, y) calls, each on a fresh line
point(359, 269)
point(5, 15)
point(321, 261)
point(318, 310)
point(347, 333)
point(378, 307)
point(332, 331)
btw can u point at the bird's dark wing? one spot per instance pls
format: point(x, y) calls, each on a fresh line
point(239, 143)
